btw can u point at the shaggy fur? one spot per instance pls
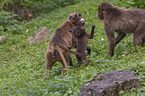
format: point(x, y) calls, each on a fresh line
point(61, 41)
point(81, 36)
point(122, 21)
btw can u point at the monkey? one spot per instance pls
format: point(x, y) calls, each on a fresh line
point(25, 14)
point(122, 21)
point(22, 13)
point(62, 38)
point(81, 42)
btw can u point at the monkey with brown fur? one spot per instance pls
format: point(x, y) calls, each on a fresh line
point(122, 21)
point(23, 13)
point(80, 37)
point(62, 40)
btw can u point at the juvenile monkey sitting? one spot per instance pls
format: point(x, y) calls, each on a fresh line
point(80, 39)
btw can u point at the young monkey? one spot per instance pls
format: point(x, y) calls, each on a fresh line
point(80, 39)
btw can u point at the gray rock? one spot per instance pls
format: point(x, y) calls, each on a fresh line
point(39, 36)
point(110, 83)
point(2, 38)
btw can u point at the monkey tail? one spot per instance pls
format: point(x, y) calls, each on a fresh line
point(66, 49)
point(61, 55)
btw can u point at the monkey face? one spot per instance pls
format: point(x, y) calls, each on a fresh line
point(27, 14)
point(100, 12)
point(102, 8)
point(76, 18)
point(79, 31)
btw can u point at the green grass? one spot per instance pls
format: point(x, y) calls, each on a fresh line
point(22, 64)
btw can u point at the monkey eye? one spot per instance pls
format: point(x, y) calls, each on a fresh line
point(78, 18)
point(79, 14)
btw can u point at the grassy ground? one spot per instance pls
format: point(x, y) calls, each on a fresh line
point(22, 64)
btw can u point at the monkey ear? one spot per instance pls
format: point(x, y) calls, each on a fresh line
point(76, 15)
point(79, 14)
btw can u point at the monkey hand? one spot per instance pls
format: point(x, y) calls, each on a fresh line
point(93, 26)
point(77, 53)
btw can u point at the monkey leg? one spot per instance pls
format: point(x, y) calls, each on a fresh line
point(63, 69)
point(87, 62)
point(67, 58)
point(137, 41)
point(84, 57)
point(111, 46)
point(64, 57)
point(49, 62)
point(111, 38)
point(61, 54)
point(79, 59)
point(139, 34)
point(112, 42)
point(70, 61)
point(88, 50)
point(120, 36)
point(143, 42)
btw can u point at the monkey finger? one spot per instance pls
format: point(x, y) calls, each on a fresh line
point(93, 26)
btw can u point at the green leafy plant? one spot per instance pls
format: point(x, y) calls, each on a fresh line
point(14, 3)
point(134, 3)
point(139, 3)
point(8, 23)
point(22, 64)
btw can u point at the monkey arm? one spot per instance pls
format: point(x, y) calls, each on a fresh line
point(73, 37)
point(92, 32)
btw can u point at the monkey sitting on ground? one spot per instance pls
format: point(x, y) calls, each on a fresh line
point(81, 39)
point(61, 42)
point(23, 13)
point(122, 21)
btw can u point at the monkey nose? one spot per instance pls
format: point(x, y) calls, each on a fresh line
point(82, 20)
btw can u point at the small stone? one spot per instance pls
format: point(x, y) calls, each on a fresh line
point(39, 36)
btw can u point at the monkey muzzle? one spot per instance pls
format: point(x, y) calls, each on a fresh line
point(82, 23)
point(82, 20)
